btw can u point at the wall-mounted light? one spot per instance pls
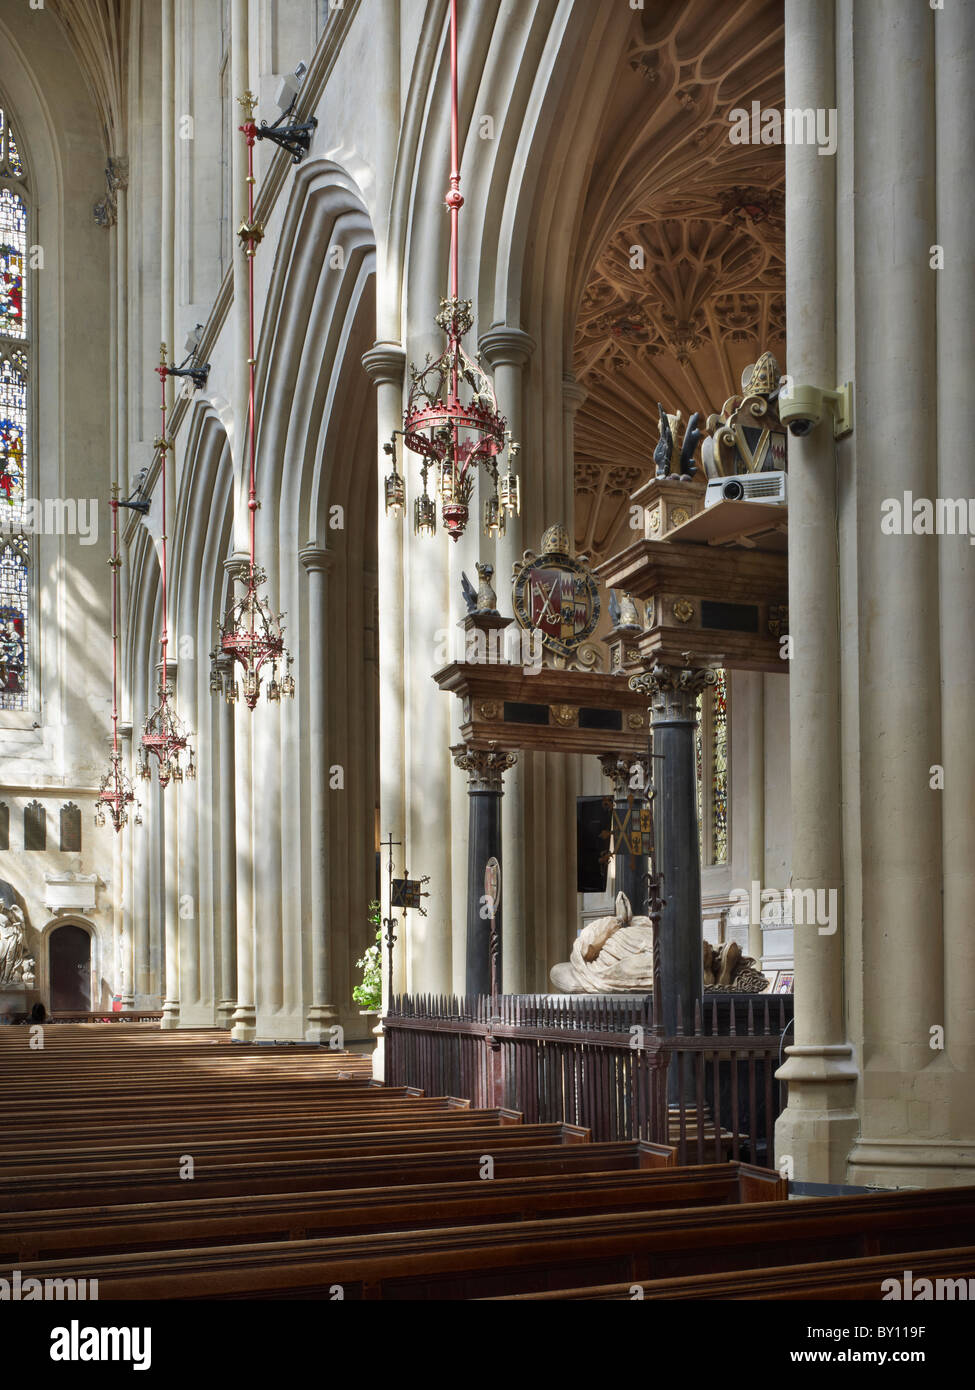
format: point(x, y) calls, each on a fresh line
point(191, 366)
point(294, 137)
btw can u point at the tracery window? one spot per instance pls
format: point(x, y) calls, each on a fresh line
point(712, 771)
point(16, 353)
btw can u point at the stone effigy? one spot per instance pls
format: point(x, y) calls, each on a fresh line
point(726, 969)
point(614, 955)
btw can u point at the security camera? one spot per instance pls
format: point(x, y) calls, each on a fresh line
point(801, 408)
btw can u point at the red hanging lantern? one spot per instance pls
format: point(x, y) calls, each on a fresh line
point(452, 418)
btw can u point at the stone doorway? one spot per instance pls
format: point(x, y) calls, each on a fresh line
point(69, 969)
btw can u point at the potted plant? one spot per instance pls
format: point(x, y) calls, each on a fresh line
point(368, 995)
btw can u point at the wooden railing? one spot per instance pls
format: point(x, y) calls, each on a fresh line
point(603, 1064)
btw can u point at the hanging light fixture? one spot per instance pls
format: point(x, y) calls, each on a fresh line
point(116, 792)
point(251, 633)
point(454, 434)
point(163, 734)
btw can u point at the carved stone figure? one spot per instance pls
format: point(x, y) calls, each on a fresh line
point(16, 966)
point(676, 447)
point(613, 955)
point(483, 599)
point(726, 969)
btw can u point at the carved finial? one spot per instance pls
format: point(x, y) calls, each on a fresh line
point(248, 103)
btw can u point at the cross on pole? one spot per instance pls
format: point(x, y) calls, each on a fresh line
point(390, 923)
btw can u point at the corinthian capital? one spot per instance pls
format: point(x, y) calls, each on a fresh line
point(673, 690)
point(485, 767)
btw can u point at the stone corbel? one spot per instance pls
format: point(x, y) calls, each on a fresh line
point(105, 211)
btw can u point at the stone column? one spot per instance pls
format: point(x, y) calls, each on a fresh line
point(631, 869)
point(141, 886)
point(169, 804)
point(244, 1020)
point(954, 38)
point(122, 895)
point(485, 769)
point(322, 1013)
point(906, 1109)
point(558, 784)
point(188, 875)
point(673, 695)
point(818, 1124)
point(167, 172)
point(507, 351)
point(223, 723)
point(385, 363)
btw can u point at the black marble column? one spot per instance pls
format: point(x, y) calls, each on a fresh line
point(629, 801)
point(673, 695)
point(485, 769)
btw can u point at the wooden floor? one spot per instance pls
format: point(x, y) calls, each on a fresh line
point(179, 1165)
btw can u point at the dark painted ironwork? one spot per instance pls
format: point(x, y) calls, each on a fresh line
point(602, 1062)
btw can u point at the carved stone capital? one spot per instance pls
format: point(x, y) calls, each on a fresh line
point(506, 347)
point(573, 394)
point(385, 364)
point(485, 767)
point(673, 690)
point(618, 767)
point(315, 559)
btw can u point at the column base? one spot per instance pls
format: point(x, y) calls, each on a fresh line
point(907, 1163)
point(225, 1012)
point(319, 1025)
point(244, 1023)
point(127, 1002)
point(816, 1132)
point(170, 1014)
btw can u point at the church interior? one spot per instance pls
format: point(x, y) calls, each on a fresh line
point(486, 658)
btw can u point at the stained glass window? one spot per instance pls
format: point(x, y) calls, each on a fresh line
point(13, 255)
point(712, 771)
point(15, 417)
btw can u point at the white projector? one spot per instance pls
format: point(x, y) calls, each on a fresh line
point(746, 487)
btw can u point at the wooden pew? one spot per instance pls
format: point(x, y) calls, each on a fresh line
point(472, 1261)
point(860, 1280)
point(166, 1225)
point(458, 1133)
point(194, 1133)
point(522, 1152)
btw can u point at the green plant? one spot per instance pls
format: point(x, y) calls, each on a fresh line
point(369, 994)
